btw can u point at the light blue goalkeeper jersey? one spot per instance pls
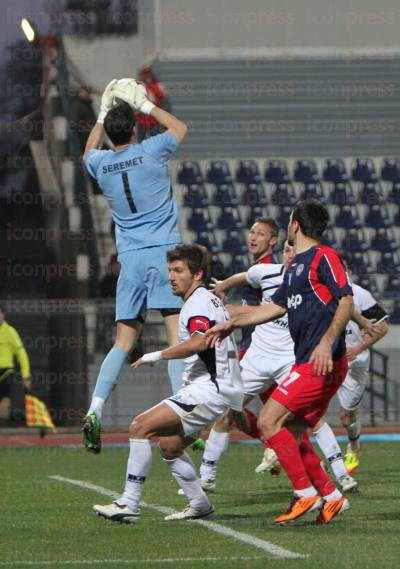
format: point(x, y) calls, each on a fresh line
point(137, 185)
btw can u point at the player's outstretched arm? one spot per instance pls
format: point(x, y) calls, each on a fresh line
point(195, 344)
point(97, 134)
point(220, 288)
point(253, 316)
point(322, 354)
point(173, 125)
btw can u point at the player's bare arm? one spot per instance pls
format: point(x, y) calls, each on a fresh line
point(173, 125)
point(220, 288)
point(97, 134)
point(195, 344)
point(238, 309)
point(377, 333)
point(254, 316)
point(322, 354)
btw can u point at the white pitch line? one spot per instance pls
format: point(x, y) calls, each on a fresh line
point(266, 546)
point(100, 562)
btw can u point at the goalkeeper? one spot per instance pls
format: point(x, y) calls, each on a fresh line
point(135, 181)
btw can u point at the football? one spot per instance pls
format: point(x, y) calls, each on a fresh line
point(124, 91)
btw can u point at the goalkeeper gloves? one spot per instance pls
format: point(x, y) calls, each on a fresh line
point(134, 94)
point(106, 101)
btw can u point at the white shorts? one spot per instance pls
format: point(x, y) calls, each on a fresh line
point(198, 406)
point(352, 389)
point(260, 371)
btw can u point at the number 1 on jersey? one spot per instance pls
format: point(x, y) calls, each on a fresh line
point(128, 193)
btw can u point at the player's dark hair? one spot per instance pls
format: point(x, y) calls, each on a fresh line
point(346, 259)
point(272, 224)
point(119, 123)
point(312, 217)
point(193, 255)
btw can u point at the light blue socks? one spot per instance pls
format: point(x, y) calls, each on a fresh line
point(109, 373)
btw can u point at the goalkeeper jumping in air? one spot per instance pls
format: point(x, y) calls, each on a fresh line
point(134, 178)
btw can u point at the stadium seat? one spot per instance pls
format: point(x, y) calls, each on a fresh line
point(276, 172)
point(283, 195)
point(207, 238)
point(240, 264)
point(313, 191)
point(392, 285)
point(217, 269)
point(247, 172)
point(390, 170)
point(229, 218)
point(218, 172)
point(342, 194)
point(225, 196)
point(397, 217)
point(347, 217)
point(394, 194)
point(334, 171)
point(254, 195)
point(369, 283)
point(305, 171)
point(377, 217)
point(363, 170)
point(189, 172)
point(395, 313)
point(389, 263)
point(234, 242)
point(362, 263)
point(354, 241)
point(195, 196)
point(371, 194)
point(329, 238)
point(383, 241)
point(200, 220)
point(283, 217)
point(253, 214)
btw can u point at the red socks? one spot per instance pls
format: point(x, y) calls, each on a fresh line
point(312, 462)
point(288, 452)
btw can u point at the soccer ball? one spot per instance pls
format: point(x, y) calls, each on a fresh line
point(125, 87)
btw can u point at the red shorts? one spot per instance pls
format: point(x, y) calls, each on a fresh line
point(307, 395)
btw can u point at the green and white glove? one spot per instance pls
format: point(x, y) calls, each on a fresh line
point(106, 101)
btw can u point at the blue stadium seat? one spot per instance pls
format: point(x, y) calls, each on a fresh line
point(389, 263)
point(395, 313)
point(276, 172)
point(361, 263)
point(189, 173)
point(313, 191)
point(254, 195)
point(306, 171)
point(200, 220)
point(383, 241)
point(234, 242)
point(329, 238)
point(342, 194)
point(229, 218)
point(369, 283)
point(397, 217)
point(217, 270)
point(225, 196)
point(247, 172)
point(394, 194)
point(240, 264)
point(363, 170)
point(253, 214)
point(218, 172)
point(207, 238)
point(347, 217)
point(284, 195)
point(377, 217)
point(390, 170)
point(283, 217)
point(354, 241)
point(334, 171)
point(372, 193)
point(195, 196)
point(392, 286)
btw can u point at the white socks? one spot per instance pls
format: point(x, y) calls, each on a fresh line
point(328, 444)
point(309, 492)
point(97, 405)
point(354, 432)
point(139, 463)
point(184, 472)
point(216, 445)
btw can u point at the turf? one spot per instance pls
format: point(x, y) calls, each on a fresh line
point(47, 521)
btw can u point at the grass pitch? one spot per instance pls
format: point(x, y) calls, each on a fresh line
point(46, 523)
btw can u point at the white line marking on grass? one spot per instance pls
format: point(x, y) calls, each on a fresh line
point(267, 546)
point(100, 562)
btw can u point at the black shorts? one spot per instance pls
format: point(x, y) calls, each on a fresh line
point(5, 384)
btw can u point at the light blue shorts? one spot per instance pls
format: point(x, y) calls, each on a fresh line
point(143, 283)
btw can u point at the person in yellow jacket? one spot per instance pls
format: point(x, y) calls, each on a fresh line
point(11, 347)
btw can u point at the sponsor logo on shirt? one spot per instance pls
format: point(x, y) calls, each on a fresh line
point(294, 301)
